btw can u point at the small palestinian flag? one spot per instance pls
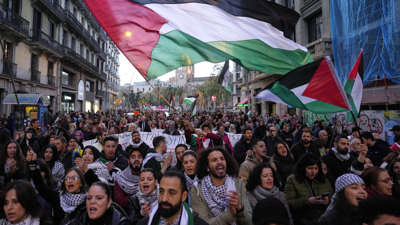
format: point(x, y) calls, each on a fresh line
point(171, 100)
point(158, 36)
point(181, 105)
point(190, 100)
point(314, 87)
point(224, 78)
point(354, 88)
point(249, 113)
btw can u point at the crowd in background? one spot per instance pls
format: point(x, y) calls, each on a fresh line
point(281, 171)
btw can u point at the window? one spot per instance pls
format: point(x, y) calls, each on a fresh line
point(50, 68)
point(64, 38)
point(315, 28)
point(67, 78)
point(9, 50)
point(87, 55)
point(81, 51)
point(35, 62)
point(137, 89)
point(52, 30)
point(73, 44)
point(289, 3)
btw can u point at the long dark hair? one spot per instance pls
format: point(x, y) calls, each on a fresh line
point(308, 159)
point(288, 157)
point(396, 184)
point(26, 196)
point(55, 157)
point(44, 167)
point(342, 211)
point(232, 167)
point(81, 176)
point(255, 176)
point(19, 157)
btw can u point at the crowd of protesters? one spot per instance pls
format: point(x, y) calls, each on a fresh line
point(281, 171)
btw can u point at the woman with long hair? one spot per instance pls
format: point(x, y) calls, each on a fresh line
point(264, 182)
point(146, 198)
point(100, 208)
point(29, 141)
point(377, 182)
point(349, 191)
point(12, 162)
point(284, 162)
point(21, 205)
point(69, 200)
point(50, 155)
point(394, 172)
point(90, 164)
point(390, 158)
point(307, 190)
point(122, 127)
point(189, 161)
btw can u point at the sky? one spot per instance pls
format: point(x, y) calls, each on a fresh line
point(130, 75)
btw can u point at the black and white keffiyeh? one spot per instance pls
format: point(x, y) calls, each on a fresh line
point(189, 181)
point(58, 171)
point(28, 221)
point(340, 156)
point(69, 201)
point(134, 145)
point(151, 198)
point(128, 182)
point(215, 196)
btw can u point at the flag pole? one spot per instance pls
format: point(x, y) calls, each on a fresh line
point(355, 121)
point(160, 95)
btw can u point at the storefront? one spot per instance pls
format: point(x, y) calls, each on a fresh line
point(33, 106)
point(67, 102)
point(88, 106)
point(96, 105)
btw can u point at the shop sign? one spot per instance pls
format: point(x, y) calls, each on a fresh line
point(87, 86)
point(81, 89)
point(96, 102)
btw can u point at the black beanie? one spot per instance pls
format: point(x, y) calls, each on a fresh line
point(277, 212)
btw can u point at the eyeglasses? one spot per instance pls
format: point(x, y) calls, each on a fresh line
point(387, 180)
point(73, 178)
point(136, 135)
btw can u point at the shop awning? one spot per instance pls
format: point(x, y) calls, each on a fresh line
point(244, 102)
point(27, 99)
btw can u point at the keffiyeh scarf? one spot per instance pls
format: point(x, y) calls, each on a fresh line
point(149, 156)
point(151, 198)
point(128, 182)
point(28, 221)
point(69, 201)
point(189, 181)
point(58, 170)
point(215, 196)
point(340, 156)
point(10, 165)
point(134, 145)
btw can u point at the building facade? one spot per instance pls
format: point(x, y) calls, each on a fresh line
point(182, 74)
point(58, 49)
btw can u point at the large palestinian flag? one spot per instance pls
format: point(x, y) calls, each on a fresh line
point(354, 87)
point(158, 36)
point(314, 87)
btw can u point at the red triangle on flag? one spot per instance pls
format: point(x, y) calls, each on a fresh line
point(324, 87)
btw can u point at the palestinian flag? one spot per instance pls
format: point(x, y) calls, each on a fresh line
point(314, 87)
point(181, 105)
point(171, 100)
point(249, 113)
point(354, 88)
point(224, 78)
point(158, 36)
point(190, 100)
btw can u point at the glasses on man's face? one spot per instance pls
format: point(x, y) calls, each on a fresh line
point(387, 180)
point(136, 135)
point(73, 178)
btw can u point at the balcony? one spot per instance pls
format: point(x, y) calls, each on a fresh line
point(100, 93)
point(35, 76)
point(76, 59)
point(52, 7)
point(89, 96)
point(69, 82)
point(103, 34)
point(12, 71)
point(102, 54)
point(237, 92)
point(74, 23)
point(103, 75)
point(46, 44)
point(10, 20)
point(51, 80)
point(108, 67)
point(320, 48)
point(112, 85)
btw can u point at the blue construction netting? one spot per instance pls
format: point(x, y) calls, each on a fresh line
point(371, 25)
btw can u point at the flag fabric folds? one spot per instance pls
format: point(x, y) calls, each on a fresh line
point(314, 87)
point(181, 105)
point(158, 36)
point(224, 78)
point(189, 100)
point(354, 88)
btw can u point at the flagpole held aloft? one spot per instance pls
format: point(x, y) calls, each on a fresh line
point(160, 95)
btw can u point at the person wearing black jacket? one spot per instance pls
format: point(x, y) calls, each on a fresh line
point(171, 130)
point(5, 134)
point(67, 157)
point(143, 125)
point(106, 212)
point(304, 146)
point(137, 142)
point(284, 163)
point(271, 139)
point(243, 146)
point(378, 149)
point(260, 131)
point(287, 136)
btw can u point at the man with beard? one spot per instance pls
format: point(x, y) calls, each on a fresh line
point(155, 159)
point(304, 146)
point(127, 182)
point(243, 146)
point(172, 208)
point(137, 142)
point(218, 196)
point(115, 163)
point(339, 160)
point(179, 150)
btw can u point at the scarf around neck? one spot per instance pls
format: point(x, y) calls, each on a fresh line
point(134, 145)
point(340, 156)
point(186, 216)
point(69, 201)
point(151, 198)
point(260, 193)
point(128, 182)
point(28, 221)
point(149, 156)
point(215, 196)
point(189, 181)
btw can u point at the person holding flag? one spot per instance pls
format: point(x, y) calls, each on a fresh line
point(205, 138)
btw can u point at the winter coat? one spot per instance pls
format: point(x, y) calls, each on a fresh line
point(284, 167)
point(333, 218)
point(270, 144)
point(118, 217)
point(68, 159)
point(240, 149)
point(196, 220)
point(154, 164)
point(297, 137)
point(174, 132)
point(248, 165)
point(379, 150)
point(298, 193)
point(289, 135)
point(143, 149)
point(197, 142)
point(299, 150)
point(5, 136)
point(48, 118)
point(336, 167)
point(259, 132)
point(133, 210)
point(199, 205)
